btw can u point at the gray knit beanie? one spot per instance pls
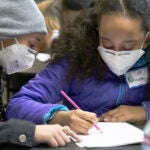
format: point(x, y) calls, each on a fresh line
point(19, 17)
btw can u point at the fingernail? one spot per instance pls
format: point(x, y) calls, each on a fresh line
point(105, 119)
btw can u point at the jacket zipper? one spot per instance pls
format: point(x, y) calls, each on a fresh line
point(120, 92)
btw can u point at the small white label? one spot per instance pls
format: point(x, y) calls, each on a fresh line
point(137, 77)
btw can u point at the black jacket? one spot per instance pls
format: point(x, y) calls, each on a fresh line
point(14, 131)
point(17, 132)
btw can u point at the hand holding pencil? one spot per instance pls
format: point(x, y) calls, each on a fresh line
point(86, 116)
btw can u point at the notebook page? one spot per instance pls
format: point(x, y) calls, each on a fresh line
point(114, 134)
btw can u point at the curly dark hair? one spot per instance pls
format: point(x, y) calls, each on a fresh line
point(79, 41)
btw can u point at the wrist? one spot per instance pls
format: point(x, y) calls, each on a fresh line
point(61, 117)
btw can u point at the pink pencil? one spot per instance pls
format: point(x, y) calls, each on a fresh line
point(76, 106)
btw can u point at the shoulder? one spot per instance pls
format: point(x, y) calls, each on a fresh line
point(57, 67)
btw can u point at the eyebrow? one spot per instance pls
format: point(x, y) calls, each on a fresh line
point(127, 41)
point(105, 38)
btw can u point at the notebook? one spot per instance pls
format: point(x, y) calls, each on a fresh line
point(114, 134)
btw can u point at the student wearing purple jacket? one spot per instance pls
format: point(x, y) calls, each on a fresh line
point(102, 62)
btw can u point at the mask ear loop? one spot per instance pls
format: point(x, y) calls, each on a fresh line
point(17, 42)
point(2, 45)
point(144, 39)
point(148, 34)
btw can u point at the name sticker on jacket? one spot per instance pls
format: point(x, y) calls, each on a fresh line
point(137, 77)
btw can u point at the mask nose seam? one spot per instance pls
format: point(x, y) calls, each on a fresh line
point(32, 51)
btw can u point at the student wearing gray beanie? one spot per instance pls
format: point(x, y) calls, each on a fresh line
point(22, 27)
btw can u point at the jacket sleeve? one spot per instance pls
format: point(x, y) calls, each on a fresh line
point(37, 99)
point(18, 132)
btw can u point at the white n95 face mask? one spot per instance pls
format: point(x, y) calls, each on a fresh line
point(119, 62)
point(16, 57)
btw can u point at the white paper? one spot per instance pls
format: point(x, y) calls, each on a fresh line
point(114, 134)
point(43, 57)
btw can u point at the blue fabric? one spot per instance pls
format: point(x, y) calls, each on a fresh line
point(146, 105)
point(145, 59)
point(42, 94)
point(52, 111)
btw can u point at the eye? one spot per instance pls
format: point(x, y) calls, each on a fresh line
point(129, 46)
point(107, 44)
point(38, 39)
point(31, 45)
point(108, 47)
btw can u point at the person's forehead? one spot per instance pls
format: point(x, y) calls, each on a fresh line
point(119, 22)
